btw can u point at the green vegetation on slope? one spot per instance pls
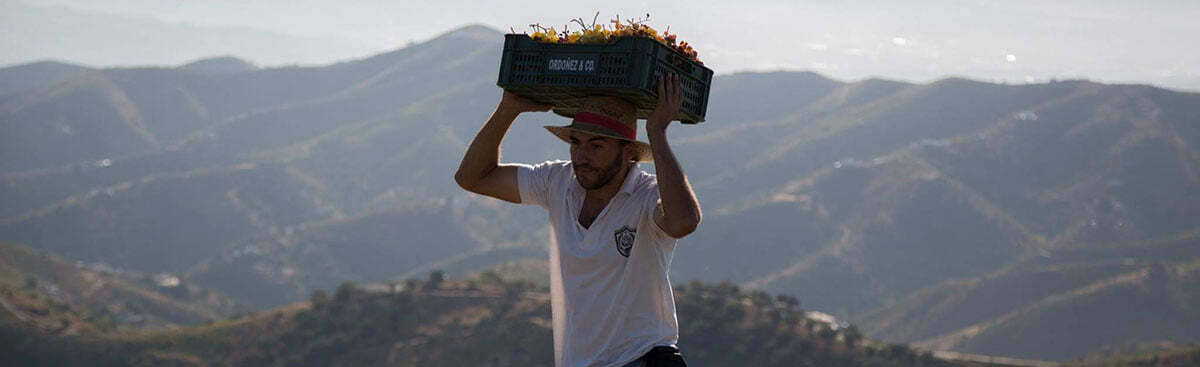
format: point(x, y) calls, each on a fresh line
point(481, 322)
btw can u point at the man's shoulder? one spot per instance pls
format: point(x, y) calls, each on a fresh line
point(551, 172)
point(554, 167)
point(645, 182)
point(553, 164)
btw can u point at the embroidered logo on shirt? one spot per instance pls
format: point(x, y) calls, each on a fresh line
point(624, 238)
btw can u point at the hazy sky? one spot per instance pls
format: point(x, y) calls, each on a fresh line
point(1150, 41)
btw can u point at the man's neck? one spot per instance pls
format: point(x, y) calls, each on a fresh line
point(606, 192)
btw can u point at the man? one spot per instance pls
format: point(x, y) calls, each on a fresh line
point(614, 226)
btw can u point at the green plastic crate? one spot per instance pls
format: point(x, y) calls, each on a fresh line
point(565, 74)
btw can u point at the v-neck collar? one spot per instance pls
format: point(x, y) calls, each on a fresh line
point(579, 195)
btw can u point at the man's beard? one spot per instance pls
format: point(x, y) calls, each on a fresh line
point(603, 175)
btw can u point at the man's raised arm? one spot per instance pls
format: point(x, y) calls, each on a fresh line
point(678, 213)
point(480, 171)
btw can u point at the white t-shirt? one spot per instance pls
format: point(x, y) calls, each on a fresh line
point(609, 291)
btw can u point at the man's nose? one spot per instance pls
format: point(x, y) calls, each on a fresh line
point(579, 157)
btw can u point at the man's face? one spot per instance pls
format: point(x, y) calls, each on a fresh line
point(597, 160)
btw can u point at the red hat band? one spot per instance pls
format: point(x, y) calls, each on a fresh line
point(606, 122)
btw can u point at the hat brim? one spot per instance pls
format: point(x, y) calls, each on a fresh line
point(564, 133)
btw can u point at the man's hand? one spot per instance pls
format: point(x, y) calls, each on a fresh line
point(670, 98)
point(514, 104)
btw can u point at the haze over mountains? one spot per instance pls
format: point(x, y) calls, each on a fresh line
point(917, 40)
point(49, 30)
point(1039, 221)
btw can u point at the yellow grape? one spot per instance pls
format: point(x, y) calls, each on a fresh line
point(599, 33)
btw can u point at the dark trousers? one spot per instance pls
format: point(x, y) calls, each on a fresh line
point(660, 357)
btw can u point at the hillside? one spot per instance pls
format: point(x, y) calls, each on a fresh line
point(952, 202)
point(867, 199)
point(253, 191)
point(1148, 290)
point(218, 66)
point(63, 298)
point(484, 321)
point(23, 78)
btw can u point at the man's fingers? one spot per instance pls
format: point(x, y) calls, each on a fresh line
point(676, 90)
point(661, 93)
point(679, 91)
point(670, 95)
point(539, 106)
point(672, 85)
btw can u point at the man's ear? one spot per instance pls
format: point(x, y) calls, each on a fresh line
point(629, 151)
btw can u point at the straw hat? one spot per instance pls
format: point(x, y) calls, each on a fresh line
point(610, 117)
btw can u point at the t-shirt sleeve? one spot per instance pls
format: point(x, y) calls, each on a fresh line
point(534, 183)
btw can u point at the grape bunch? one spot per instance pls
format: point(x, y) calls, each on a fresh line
point(600, 33)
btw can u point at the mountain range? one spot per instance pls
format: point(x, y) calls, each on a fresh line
point(1038, 221)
